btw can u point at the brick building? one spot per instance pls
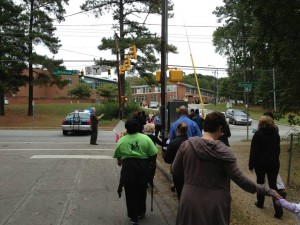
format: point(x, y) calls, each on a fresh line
point(55, 94)
point(145, 93)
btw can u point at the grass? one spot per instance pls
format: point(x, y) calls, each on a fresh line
point(44, 116)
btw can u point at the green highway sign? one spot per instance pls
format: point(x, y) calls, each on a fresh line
point(64, 72)
point(246, 84)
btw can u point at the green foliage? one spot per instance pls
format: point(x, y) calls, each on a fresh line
point(111, 110)
point(131, 31)
point(81, 90)
point(257, 36)
point(108, 91)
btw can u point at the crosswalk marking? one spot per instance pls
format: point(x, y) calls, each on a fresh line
point(71, 157)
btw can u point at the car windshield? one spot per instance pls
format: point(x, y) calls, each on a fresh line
point(81, 115)
point(239, 113)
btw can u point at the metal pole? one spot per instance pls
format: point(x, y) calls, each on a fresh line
point(274, 93)
point(217, 87)
point(164, 28)
point(290, 151)
point(121, 105)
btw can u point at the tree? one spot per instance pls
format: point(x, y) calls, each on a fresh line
point(258, 36)
point(81, 90)
point(12, 57)
point(108, 91)
point(41, 31)
point(129, 31)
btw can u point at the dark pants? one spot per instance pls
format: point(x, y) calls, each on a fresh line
point(135, 177)
point(136, 200)
point(272, 174)
point(94, 134)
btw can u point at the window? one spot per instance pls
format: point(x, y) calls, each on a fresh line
point(70, 81)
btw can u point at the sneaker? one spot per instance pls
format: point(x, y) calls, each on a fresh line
point(258, 205)
point(141, 216)
point(134, 222)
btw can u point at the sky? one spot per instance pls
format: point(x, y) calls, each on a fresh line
point(190, 31)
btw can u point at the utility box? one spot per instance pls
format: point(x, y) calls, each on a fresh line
point(173, 109)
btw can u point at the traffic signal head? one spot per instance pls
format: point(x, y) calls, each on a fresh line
point(121, 69)
point(127, 63)
point(176, 75)
point(157, 76)
point(132, 52)
point(108, 72)
point(124, 99)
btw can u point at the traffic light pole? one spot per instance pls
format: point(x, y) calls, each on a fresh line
point(121, 104)
point(164, 35)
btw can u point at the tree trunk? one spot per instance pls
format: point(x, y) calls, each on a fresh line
point(30, 72)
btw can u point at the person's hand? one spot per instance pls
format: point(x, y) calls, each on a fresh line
point(273, 194)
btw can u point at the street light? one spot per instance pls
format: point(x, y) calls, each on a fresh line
point(216, 74)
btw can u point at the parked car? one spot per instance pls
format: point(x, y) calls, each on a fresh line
point(6, 102)
point(153, 105)
point(77, 121)
point(236, 116)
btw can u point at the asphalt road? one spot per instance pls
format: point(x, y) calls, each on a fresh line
point(50, 179)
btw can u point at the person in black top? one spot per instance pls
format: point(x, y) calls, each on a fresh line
point(198, 119)
point(94, 126)
point(172, 150)
point(226, 134)
point(264, 158)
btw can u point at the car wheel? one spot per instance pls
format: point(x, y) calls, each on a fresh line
point(233, 122)
point(65, 132)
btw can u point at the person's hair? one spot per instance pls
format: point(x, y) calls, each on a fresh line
point(197, 111)
point(182, 128)
point(132, 126)
point(213, 121)
point(149, 128)
point(183, 110)
point(266, 121)
point(270, 114)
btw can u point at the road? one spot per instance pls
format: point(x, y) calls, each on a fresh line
point(50, 179)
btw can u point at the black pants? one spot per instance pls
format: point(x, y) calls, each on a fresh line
point(94, 134)
point(272, 174)
point(136, 200)
point(135, 175)
point(157, 129)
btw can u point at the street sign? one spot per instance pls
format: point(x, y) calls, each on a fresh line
point(246, 84)
point(64, 72)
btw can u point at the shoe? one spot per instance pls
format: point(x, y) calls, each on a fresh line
point(141, 216)
point(132, 222)
point(94, 144)
point(277, 216)
point(173, 189)
point(258, 205)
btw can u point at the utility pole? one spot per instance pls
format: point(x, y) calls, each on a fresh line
point(120, 89)
point(274, 93)
point(164, 34)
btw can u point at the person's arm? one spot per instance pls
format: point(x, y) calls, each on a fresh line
point(169, 154)
point(292, 207)
point(100, 117)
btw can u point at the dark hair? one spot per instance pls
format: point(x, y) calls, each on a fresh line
point(270, 114)
point(197, 111)
point(182, 128)
point(213, 121)
point(132, 126)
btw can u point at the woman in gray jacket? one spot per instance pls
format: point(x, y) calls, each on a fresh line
point(207, 166)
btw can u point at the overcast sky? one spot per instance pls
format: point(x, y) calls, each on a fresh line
point(193, 20)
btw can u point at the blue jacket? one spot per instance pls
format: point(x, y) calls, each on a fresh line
point(193, 129)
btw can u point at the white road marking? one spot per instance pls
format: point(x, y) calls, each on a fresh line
point(71, 157)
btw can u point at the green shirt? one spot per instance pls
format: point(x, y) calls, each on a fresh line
point(135, 146)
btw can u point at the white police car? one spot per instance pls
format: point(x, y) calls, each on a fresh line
point(77, 121)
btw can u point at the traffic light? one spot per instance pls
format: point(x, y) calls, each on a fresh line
point(121, 69)
point(132, 52)
point(175, 75)
point(81, 75)
point(157, 76)
point(109, 72)
point(127, 63)
point(124, 99)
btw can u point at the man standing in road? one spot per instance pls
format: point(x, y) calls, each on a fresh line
point(94, 126)
point(193, 129)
